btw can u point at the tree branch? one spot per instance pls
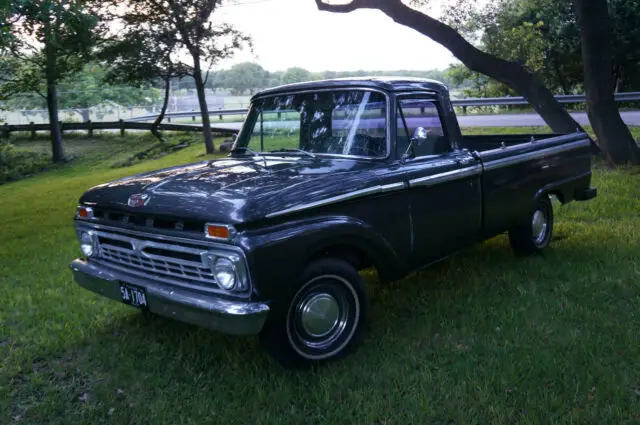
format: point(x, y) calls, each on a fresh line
point(512, 74)
point(206, 78)
point(354, 5)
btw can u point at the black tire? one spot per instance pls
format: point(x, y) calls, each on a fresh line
point(331, 301)
point(535, 233)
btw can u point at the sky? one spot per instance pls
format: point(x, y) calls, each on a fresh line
point(288, 33)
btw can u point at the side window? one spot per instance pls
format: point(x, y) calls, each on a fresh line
point(421, 113)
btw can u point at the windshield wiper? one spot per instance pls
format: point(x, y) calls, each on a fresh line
point(292, 150)
point(244, 150)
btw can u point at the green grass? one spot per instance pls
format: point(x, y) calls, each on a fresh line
point(483, 337)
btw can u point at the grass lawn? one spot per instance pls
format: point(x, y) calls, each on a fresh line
point(483, 337)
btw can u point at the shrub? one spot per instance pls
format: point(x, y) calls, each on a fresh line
point(16, 164)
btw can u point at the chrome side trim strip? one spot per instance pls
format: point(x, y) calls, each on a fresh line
point(392, 187)
point(340, 198)
point(447, 176)
point(504, 162)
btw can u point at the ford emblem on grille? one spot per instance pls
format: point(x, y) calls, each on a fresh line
point(138, 199)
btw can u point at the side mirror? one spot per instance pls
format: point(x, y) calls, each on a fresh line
point(419, 136)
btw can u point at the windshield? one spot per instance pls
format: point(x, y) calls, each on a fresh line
point(336, 122)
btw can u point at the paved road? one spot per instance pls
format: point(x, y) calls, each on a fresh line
point(505, 120)
point(525, 120)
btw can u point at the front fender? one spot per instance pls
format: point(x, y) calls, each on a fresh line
point(278, 254)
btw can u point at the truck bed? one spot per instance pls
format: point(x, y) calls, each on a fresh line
point(516, 168)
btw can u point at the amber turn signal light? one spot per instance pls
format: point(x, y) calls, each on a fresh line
point(85, 212)
point(217, 231)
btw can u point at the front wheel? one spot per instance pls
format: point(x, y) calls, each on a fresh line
point(325, 318)
point(535, 234)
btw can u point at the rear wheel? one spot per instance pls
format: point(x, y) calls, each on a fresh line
point(324, 319)
point(535, 234)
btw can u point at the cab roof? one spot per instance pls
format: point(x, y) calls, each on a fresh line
point(389, 84)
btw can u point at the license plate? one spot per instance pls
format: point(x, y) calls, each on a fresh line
point(133, 295)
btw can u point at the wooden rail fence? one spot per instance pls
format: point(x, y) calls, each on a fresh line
point(89, 126)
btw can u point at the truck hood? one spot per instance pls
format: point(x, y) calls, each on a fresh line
point(235, 190)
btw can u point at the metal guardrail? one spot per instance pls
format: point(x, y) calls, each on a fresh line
point(121, 125)
point(187, 114)
point(136, 123)
point(484, 101)
point(518, 100)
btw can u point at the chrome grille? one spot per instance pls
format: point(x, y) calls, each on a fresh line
point(160, 259)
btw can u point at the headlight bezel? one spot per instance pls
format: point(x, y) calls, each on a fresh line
point(89, 239)
point(237, 265)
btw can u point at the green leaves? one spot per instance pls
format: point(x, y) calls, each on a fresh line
point(295, 75)
point(544, 36)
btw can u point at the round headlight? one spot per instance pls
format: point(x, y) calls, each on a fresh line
point(87, 243)
point(225, 273)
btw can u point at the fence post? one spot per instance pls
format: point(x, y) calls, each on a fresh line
point(5, 131)
point(168, 119)
point(89, 128)
point(220, 117)
point(33, 130)
point(121, 127)
point(464, 110)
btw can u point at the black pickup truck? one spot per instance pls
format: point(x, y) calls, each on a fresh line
point(325, 179)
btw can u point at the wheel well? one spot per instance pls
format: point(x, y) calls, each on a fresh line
point(558, 194)
point(351, 254)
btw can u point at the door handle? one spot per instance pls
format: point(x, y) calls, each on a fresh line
point(465, 161)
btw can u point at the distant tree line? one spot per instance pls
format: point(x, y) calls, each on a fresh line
point(249, 77)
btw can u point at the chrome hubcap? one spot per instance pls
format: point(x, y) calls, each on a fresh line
point(323, 317)
point(319, 314)
point(539, 226)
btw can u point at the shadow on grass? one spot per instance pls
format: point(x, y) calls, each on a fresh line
point(132, 333)
point(415, 323)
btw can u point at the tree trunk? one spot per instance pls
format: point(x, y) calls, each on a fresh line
point(84, 113)
point(57, 154)
point(204, 110)
point(512, 74)
point(613, 135)
point(163, 110)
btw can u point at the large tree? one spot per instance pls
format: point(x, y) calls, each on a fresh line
point(50, 39)
point(613, 135)
point(545, 36)
point(200, 44)
point(512, 74)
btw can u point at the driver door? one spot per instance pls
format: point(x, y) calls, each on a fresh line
point(444, 184)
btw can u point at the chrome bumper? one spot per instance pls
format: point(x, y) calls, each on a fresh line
point(232, 317)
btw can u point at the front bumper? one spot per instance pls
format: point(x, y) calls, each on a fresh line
point(232, 317)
